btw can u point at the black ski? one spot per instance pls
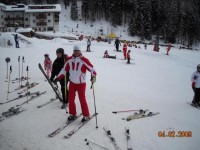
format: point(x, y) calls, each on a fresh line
point(22, 79)
point(29, 87)
point(193, 105)
point(19, 97)
point(51, 100)
point(127, 132)
point(72, 132)
point(43, 72)
point(11, 112)
point(32, 97)
point(62, 127)
point(112, 139)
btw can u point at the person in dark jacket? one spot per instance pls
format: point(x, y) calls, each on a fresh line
point(16, 40)
point(58, 64)
point(117, 43)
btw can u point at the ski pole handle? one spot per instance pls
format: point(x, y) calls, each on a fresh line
point(10, 69)
point(27, 68)
point(23, 59)
point(91, 86)
point(18, 58)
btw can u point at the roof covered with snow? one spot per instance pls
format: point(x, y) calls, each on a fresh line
point(44, 8)
point(34, 8)
point(23, 30)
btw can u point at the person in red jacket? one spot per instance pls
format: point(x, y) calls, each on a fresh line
point(125, 49)
point(168, 49)
point(47, 64)
point(77, 65)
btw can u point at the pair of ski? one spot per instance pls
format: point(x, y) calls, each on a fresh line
point(51, 84)
point(29, 87)
point(112, 139)
point(11, 112)
point(193, 105)
point(21, 96)
point(73, 131)
point(32, 98)
point(141, 114)
point(44, 104)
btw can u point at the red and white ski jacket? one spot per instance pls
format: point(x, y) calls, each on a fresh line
point(77, 67)
point(196, 79)
point(47, 63)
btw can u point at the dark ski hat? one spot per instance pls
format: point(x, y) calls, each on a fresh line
point(46, 55)
point(60, 50)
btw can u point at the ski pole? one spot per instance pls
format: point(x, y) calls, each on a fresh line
point(95, 105)
point(88, 141)
point(22, 66)
point(7, 61)
point(27, 83)
point(122, 111)
point(9, 82)
point(19, 69)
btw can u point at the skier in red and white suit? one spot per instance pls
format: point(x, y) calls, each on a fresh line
point(125, 49)
point(77, 66)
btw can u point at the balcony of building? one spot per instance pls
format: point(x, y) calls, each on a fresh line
point(14, 25)
point(41, 23)
point(14, 18)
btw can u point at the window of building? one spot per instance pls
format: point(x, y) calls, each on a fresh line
point(50, 28)
point(2, 16)
point(26, 19)
point(49, 21)
point(33, 21)
point(44, 29)
point(49, 14)
point(2, 23)
point(33, 14)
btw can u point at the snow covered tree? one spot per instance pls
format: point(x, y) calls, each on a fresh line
point(85, 9)
point(74, 10)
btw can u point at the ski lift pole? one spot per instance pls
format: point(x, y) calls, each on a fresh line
point(9, 82)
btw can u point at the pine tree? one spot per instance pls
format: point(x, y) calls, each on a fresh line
point(85, 9)
point(74, 10)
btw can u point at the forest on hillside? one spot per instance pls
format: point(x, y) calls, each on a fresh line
point(176, 21)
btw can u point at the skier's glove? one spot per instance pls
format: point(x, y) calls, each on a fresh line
point(55, 80)
point(93, 79)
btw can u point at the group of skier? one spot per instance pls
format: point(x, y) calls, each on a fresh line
point(71, 69)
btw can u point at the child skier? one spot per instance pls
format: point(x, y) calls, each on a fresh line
point(128, 57)
point(106, 55)
point(47, 64)
point(125, 49)
point(168, 49)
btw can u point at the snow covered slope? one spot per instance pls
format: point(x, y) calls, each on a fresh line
point(156, 82)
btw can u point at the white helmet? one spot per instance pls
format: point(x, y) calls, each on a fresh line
point(76, 47)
